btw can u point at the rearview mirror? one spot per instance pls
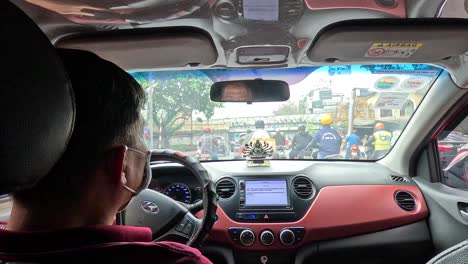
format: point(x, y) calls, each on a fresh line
point(249, 91)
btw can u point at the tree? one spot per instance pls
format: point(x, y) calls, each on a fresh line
point(175, 96)
point(289, 108)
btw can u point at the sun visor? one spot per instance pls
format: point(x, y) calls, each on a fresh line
point(148, 49)
point(390, 41)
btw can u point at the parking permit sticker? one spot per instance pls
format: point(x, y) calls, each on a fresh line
point(391, 100)
point(392, 49)
point(413, 84)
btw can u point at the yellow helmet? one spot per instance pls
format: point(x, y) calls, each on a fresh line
point(326, 119)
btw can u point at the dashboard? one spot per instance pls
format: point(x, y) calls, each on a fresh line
point(292, 206)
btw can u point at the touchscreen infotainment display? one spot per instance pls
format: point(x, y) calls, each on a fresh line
point(266, 193)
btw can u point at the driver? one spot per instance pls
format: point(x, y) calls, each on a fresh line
point(103, 167)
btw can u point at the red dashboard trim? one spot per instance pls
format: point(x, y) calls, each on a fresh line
point(399, 9)
point(337, 211)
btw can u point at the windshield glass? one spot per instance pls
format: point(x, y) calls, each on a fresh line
point(334, 112)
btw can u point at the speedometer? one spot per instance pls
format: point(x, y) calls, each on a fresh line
point(179, 192)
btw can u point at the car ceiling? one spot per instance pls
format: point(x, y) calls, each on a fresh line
point(104, 27)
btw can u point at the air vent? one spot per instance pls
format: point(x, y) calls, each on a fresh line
point(303, 187)
point(290, 10)
point(225, 188)
point(399, 178)
point(405, 200)
point(225, 9)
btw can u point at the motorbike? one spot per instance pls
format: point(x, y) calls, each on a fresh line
point(280, 153)
point(312, 154)
point(202, 156)
point(356, 154)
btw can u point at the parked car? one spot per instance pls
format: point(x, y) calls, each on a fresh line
point(456, 172)
point(449, 147)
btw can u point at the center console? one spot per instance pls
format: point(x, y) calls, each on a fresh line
point(257, 199)
point(253, 200)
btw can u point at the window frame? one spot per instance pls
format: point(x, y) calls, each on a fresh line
point(455, 115)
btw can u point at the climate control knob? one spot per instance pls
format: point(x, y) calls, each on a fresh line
point(247, 237)
point(287, 237)
point(267, 237)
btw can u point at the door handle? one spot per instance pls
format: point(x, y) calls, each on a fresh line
point(463, 207)
point(464, 215)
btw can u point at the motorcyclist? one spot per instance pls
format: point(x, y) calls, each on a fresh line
point(352, 140)
point(280, 142)
point(327, 139)
point(299, 143)
point(207, 144)
point(260, 133)
point(381, 142)
point(279, 138)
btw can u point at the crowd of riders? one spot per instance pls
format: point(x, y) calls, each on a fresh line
point(326, 143)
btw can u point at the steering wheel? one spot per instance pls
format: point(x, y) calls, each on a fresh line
point(168, 218)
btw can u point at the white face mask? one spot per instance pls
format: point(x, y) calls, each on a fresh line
point(146, 178)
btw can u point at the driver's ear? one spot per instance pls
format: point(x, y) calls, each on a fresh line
point(116, 165)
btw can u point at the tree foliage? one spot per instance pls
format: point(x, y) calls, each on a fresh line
point(292, 108)
point(289, 108)
point(176, 95)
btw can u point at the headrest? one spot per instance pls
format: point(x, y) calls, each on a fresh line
point(36, 101)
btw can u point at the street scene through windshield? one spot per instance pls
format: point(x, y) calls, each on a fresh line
point(334, 112)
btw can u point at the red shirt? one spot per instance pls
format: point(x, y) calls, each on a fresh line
point(95, 244)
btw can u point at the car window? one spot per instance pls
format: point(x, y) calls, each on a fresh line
point(453, 154)
point(367, 107)
point(5, 207)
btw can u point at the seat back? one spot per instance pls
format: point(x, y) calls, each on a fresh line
point(117, 252)
point(36, 102)
point(457, 254)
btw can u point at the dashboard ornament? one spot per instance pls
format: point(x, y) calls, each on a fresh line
point(258, 153)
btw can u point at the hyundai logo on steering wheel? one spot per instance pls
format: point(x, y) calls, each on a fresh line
point(150, 207)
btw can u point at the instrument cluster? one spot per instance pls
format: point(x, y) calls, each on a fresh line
point(177, 183)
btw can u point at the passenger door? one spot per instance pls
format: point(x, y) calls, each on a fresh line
point(442, 175)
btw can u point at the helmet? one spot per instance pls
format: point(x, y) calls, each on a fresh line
point(301, 127)
point(326, 119)
point(259, 124)
point(379, 126)
point(207, 130)
point(277, 130)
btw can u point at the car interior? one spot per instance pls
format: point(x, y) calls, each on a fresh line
point(239, 205)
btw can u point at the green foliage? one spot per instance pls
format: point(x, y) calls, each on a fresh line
point(175, 95)
point(289, 108)
point(312, 128)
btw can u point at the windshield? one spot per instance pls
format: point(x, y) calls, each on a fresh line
point(334, 112)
